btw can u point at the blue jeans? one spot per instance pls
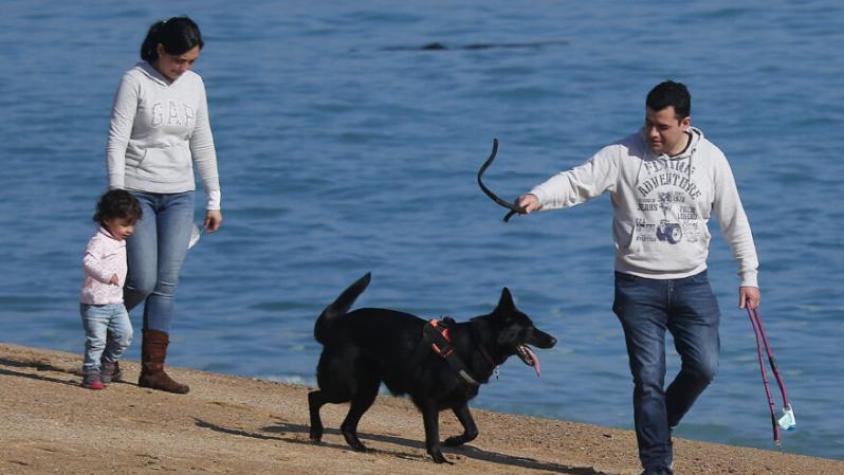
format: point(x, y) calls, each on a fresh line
point(688, 309)
point(108, 332)
point(155, 253)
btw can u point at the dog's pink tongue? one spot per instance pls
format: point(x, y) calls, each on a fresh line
point(536, 366)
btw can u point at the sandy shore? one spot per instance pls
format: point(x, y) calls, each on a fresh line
point(48, 424)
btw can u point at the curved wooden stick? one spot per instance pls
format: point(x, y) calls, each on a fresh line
point(514, 209)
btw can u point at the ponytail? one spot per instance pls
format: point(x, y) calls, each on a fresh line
point(178, 35)
point(149, 48)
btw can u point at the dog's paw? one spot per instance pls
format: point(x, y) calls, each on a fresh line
point(360, 448)
point(439, 458)
point(455, 441)
point(354, 442)
point(461, 439)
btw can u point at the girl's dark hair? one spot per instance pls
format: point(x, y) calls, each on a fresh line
point(117, 204)
point(178, 35)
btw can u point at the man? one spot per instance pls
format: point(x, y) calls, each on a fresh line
point(664, 182)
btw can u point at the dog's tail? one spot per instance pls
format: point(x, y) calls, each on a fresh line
point(340, 306)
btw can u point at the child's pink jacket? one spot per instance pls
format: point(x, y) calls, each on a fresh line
point(104, 257)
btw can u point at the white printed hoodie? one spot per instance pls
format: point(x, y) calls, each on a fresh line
point(661, 206)
point(158, 130)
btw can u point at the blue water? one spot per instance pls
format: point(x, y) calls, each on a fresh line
point(344, 150)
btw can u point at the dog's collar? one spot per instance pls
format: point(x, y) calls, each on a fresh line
point(473, 325)
point(436, 332)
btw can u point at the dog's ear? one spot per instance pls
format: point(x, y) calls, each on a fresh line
point(505, 303)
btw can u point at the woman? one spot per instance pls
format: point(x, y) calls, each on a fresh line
point(159, 132)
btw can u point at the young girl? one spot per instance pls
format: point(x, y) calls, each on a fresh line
point(108, 331)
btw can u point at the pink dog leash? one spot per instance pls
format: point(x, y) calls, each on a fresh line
point(787, 421)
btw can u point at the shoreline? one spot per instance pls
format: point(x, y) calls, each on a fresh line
point(229, 424)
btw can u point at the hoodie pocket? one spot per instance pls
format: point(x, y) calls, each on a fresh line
point(629, 237)
point(165, 165)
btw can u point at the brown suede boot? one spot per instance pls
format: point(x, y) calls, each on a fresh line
point(153, 354)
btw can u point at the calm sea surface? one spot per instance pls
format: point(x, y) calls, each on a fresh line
point(344, 148)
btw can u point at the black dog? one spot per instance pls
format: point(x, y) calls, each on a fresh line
point(370, 345)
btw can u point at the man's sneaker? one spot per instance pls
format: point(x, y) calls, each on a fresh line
point(111, 372)
point(93, 381)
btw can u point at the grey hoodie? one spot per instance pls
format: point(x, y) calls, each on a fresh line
point(158, 130)
point(661, 206)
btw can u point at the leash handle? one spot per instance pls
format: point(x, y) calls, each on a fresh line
point(758, 333)
point(514, 209)
point(754, 315)
point(787, 421)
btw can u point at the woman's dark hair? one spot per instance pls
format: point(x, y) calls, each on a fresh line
point(117, 204)
point(670, 93)
point(178, 35)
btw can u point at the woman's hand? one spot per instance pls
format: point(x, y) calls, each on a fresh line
point(213, 220)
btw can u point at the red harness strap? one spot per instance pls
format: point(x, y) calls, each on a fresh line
point(446, 349)
point(437, 333)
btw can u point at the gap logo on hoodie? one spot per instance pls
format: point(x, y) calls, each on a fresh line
point(172, 114)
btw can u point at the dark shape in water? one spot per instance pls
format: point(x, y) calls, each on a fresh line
point(437, 46)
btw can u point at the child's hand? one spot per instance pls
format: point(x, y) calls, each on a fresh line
point(114, 280)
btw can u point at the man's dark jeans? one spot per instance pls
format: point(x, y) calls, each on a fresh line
point(688, 309)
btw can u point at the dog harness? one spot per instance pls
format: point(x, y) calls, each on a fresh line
point(436, 333)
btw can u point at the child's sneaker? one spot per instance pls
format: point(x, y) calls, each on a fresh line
point(93, 381)
point(111, 372)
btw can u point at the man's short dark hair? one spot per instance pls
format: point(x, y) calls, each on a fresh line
point(670, 93)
